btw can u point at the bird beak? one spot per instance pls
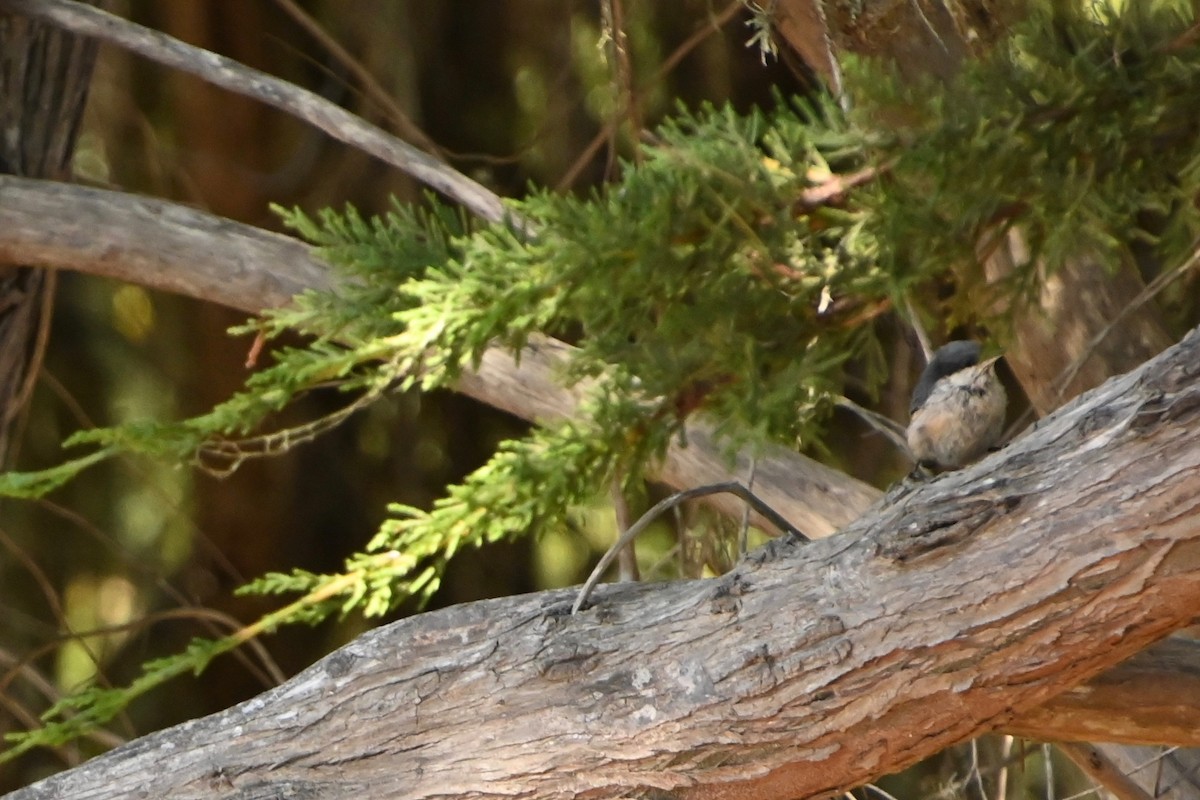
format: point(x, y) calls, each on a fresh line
point(990, 363)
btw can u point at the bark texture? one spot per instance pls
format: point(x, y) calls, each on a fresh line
point(950, 610)
point(1083, 329)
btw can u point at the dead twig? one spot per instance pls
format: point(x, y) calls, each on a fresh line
point(730, 487)
point(1150, 292)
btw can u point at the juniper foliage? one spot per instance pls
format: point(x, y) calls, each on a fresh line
point(1077, 129)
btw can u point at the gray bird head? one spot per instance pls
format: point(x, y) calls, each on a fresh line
point(947, 360)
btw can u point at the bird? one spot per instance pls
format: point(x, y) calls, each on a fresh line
point(957, 410)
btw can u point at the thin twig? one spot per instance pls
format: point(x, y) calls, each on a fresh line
point(914, 319)
point(271, 674)
point(1157, 760)
point(873, 788)
point(613, 14)
point(627, 566)
point(1006, 746)
point(837, 186)
point(731, 487)
point(929, 26)
point(371, 87)
point(1048, 769)
point(20, 405)
point(1097, 766)
point(878, 422)
point(973, 775)
point(744, 533)
point(58, 610)
point(45, 687)
point(610, 126)
point(236, 77)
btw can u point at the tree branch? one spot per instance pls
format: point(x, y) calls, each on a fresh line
point(807, 670)
point(240, 79)
point(154, 243)
point(173, 248)
point(1153, 698)
point(816, 499)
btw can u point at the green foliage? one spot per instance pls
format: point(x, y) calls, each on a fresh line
point(75, 715)
point(378, 255)
point(1077, 128)
point(31, 485)
point(761, 36)
point(694, 273)
point(704, 281)
point(94, 706)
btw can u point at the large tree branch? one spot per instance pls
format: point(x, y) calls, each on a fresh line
point(1082, 301)
point(810, 668)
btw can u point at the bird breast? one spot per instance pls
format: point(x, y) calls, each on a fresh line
point(961, 419)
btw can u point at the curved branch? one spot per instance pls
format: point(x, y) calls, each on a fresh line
point(154, 243)
point(235, 77)
point(661, 507)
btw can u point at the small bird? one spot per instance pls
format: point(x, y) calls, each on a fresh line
point(957, 409)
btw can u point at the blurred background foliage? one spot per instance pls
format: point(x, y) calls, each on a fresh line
point(514, 93)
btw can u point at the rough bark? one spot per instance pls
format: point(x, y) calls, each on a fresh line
point(949, 611)
point(1082, 323)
